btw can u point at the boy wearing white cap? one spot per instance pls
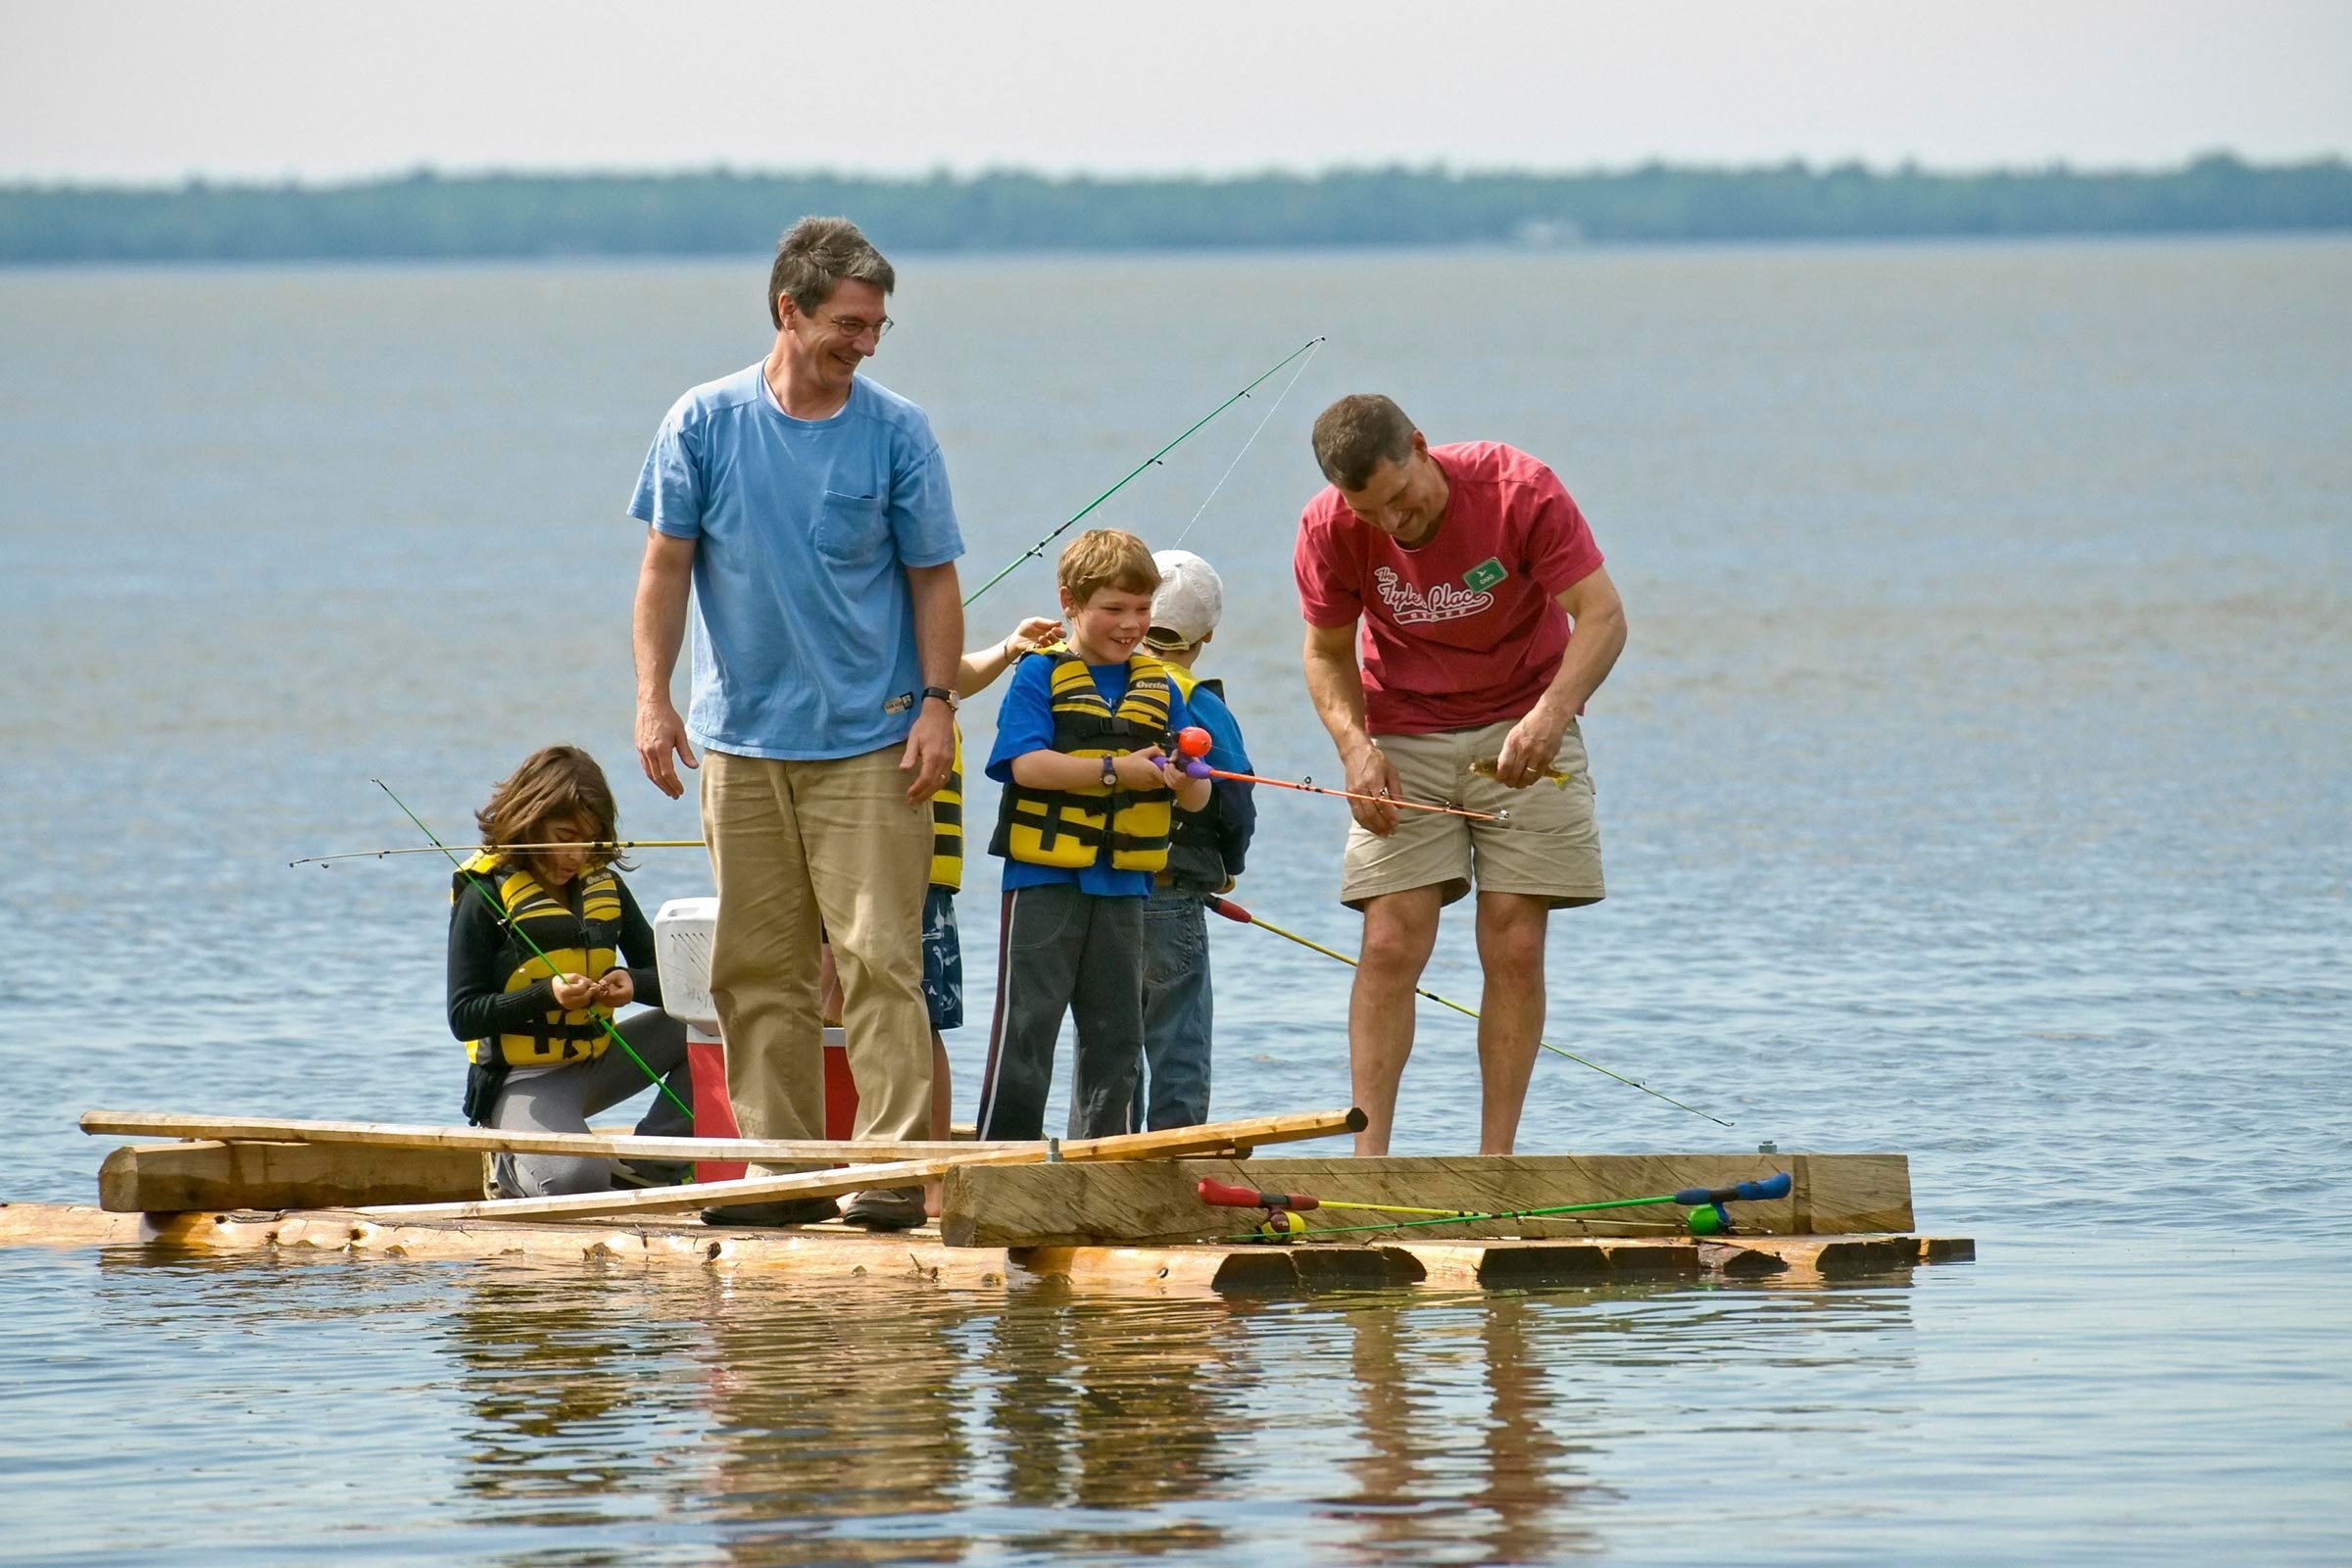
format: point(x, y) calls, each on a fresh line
point(1206, 853)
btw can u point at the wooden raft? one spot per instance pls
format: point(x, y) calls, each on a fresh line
point(918, 1260)
point(1157, 1203)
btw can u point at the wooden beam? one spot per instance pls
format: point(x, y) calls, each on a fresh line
point(1063, 1205)
point(171, 1178)
point(1245, 1133)
point(491, 1141)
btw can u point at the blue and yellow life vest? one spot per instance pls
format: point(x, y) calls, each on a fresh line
point(587, 943)
point(947, 825)
point(1069, 828)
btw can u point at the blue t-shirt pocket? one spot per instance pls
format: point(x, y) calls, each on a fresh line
point(851, 528)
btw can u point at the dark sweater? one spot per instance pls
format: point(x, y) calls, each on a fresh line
point(483, 952)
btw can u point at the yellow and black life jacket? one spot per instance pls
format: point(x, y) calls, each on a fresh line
point(1069, 828)
point(587, 943)
point(947, 825)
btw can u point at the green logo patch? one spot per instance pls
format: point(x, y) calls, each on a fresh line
point(1485, 575)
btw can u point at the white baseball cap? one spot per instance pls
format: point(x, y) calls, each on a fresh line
point(1190, 599)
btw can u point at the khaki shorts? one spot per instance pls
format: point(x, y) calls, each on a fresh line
point(1550, 848)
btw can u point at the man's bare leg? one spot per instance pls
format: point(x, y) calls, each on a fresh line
point(1511, 1010)
point(1399, 930)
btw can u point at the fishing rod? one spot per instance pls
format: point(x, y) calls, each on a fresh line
point(1234, 913)
point(481, 885)
point(1707, 1217)
point(613, 846)
point(1038, 549)
point(1194, 742)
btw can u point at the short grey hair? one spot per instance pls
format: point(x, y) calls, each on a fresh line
point(1357, 434)
point(812, 259)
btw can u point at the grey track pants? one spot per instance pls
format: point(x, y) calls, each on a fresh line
point(563, 1100)
point(1062, 951)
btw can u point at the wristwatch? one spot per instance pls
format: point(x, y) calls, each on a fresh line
point(943, 694)
point(1110, 772)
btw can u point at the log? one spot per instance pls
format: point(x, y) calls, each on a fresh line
point(491, 1141)
point(171, 1178)
point(1063, 1205)
point(1175, 1142)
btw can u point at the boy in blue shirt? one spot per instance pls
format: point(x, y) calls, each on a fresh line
point(1092, 781)
point(1204, 856)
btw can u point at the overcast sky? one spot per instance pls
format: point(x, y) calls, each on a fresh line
point(97, 90)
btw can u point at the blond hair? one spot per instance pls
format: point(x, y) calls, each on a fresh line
point(554, 782)
point(1107, 557)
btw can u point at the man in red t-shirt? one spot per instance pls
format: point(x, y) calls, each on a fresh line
point(1470, 567)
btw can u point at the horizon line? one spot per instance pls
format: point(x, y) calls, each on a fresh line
point(422, 172)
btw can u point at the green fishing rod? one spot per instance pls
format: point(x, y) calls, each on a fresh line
point(1038, 548)
point(1707, 1217)
point(476, 881)
point(1234, 911)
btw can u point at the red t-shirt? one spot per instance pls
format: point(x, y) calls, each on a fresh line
point(1464, 630)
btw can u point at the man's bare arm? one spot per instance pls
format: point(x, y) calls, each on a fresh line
point(657, 628)
point(939, 648)
point(1336, 686)
point(1597, 616)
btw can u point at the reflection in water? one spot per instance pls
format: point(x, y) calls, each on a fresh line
point(1413, 1370)
point(888, 1423)
point(561, 1374)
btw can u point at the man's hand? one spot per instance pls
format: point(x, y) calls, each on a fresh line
point(1527, 751)
point(616, 990)
point(661, 736)
point(1370, 772)
point(930, 752)
point(572, 992)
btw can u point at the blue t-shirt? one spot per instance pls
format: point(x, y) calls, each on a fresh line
point(1025, 725)
point(803, 626)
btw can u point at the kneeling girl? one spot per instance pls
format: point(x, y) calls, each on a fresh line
point(537, 937)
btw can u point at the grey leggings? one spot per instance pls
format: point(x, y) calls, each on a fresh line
point(561, 1100)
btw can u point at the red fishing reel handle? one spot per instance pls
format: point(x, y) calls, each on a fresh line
point(1223, 1196)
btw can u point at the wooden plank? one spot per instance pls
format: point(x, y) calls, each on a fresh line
point(492, 1140)
point(1061, 1206)
point(1857, 1195)
point(1248, 1131)
point(170, 1178)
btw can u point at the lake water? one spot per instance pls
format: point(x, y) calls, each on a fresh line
point(1975, 785)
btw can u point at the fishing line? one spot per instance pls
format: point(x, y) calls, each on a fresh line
point(1038, 549)
point(614, 845)
point(1317, 347)
point(1234, 911)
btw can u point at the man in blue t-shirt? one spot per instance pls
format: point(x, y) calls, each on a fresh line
point(808, 509)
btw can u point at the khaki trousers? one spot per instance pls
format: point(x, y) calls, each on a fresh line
point(802, 851)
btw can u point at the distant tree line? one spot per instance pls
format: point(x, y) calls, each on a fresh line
point(721, 212)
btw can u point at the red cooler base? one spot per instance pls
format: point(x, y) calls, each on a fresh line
point(714, 1114)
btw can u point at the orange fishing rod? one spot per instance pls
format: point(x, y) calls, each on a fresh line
point(1194, 743)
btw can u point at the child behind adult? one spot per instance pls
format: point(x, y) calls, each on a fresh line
point(1091, 777)
point(534, 939)
point(1205, 854)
